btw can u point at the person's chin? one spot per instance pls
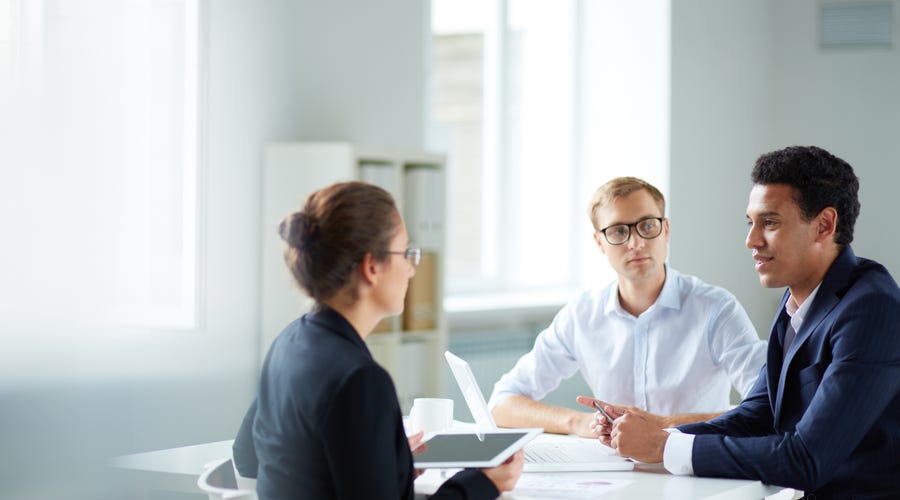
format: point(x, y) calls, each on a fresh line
point(769, 281)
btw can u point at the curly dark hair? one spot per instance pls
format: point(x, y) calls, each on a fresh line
point(819, 180)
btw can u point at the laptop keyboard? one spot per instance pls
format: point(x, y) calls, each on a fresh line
point(554, 453)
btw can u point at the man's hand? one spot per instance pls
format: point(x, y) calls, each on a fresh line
point(600, 428)
point(616, 411)
point(635, 437)
point(603, 430)
point(634, 433)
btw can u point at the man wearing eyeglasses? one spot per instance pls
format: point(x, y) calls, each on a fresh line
point(663, 344)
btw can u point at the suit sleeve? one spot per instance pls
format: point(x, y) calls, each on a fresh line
point(364, 445)
point(847, 390)
point(243, 450)
point(753, 417)
point(468, 484)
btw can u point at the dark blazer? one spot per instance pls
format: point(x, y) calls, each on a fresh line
point(827, 419)
point(326, 422)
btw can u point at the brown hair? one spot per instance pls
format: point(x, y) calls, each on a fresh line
point(621, 187)
point(338, 225)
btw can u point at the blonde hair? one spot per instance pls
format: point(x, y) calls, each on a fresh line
point(621, 187)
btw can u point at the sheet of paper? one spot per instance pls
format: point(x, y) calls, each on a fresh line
point(538, 486)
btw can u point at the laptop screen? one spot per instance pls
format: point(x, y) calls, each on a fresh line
point(462, 372)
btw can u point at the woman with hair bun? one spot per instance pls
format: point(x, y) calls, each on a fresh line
point(326, 422)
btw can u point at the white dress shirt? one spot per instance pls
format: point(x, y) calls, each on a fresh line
point(681, 355)
point(678, 453)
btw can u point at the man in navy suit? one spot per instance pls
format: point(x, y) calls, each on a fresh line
point(824, 415)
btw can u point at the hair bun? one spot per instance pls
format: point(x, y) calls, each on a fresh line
point(298, 230)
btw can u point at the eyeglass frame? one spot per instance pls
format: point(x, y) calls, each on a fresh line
point(413, 255)
point(631, 226)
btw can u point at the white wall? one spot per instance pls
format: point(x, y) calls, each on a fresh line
point(847, 101)
point(278, 69)
point(721, 102)
point(747, 78)
point(72, 397)
point(361, 71)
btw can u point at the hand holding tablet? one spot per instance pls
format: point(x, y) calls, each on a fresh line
point(484, 449)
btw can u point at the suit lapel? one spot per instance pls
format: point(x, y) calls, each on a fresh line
point(826, 299)
point(823, 305)
point(774, 360)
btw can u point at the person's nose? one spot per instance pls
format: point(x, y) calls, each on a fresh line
point(754, 237)
point(634, 239)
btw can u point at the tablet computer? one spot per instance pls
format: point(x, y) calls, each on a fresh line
point(457, 449)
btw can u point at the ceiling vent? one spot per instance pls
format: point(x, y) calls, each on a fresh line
point(856, 24)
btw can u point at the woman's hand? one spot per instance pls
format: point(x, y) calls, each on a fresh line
point(417, 447)
point(507, 474)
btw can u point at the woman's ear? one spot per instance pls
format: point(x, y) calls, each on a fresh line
point(369, 269)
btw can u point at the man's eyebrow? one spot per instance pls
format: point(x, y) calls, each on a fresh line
point(643, 217)
point(764, 214)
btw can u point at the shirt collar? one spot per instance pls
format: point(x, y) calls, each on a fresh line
point(798, 312)
point(327, 317)
point(668, 296)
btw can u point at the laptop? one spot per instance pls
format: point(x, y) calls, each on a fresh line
point(556, 453)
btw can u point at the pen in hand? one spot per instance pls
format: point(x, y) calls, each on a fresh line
point(603, 412)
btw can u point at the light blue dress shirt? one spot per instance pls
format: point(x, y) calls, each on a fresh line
point(682, 355)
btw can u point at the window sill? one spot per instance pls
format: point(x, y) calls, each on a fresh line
point(503, 309)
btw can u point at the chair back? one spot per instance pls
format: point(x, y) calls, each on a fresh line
point(219, 482)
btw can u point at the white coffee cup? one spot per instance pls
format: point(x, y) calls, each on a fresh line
point(431, 414)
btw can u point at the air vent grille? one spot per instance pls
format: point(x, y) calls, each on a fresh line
point(857, 25)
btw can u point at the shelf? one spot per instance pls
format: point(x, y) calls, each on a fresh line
point(291, 172)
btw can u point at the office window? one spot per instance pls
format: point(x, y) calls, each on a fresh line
point(100, 185)
point(538, 103)
point(6, 39)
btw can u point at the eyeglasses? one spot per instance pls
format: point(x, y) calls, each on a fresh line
point(413, 255)
point(618, 234)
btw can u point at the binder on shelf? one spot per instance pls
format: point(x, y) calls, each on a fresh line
point(423, 212)
point(420, 311)
point(382, 175)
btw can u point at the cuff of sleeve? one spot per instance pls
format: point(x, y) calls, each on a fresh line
point(474, 483)
point(496, 397)
point(678, 453)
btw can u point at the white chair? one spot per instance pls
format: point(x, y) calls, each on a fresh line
point(786, 494)
point(219, 481)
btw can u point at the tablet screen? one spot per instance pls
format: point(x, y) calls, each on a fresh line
point(487, 449)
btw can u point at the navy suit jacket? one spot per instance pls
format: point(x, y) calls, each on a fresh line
point(826, 419)
point(326, 422)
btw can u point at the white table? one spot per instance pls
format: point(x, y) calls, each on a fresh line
point(647, 481)
point(174, 469)
point(177, 469)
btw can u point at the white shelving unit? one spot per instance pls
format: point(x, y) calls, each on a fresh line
point(410, 346)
